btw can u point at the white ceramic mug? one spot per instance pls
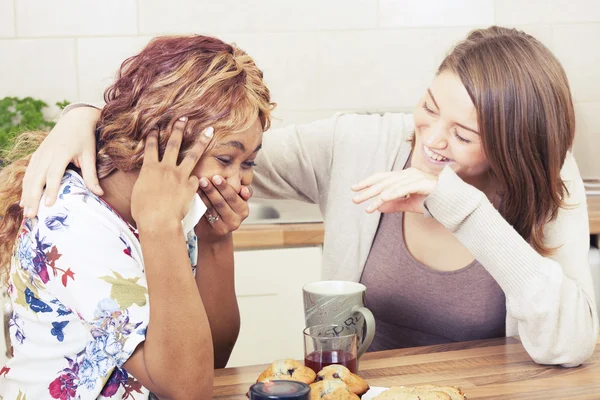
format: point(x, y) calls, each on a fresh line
point(339, 302)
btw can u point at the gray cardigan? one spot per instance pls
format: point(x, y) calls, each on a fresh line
point(550, 301)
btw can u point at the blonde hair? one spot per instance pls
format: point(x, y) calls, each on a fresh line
point(204, 79)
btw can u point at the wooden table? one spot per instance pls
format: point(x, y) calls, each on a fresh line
point(486, 369)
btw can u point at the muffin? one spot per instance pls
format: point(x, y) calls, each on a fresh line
point(288, 370)
point(355, 383)
point(333, 389)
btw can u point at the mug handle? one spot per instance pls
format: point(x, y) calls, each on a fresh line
point(370, 324)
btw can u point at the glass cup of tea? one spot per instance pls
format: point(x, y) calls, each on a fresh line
point(330, 344)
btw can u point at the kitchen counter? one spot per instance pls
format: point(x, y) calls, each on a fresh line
point(278, 235)
point(311, 234)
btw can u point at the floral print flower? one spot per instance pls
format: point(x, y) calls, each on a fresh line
point(64, 387)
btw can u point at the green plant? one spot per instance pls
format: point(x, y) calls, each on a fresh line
point(21, 114)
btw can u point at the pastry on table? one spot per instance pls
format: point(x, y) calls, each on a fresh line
point(355, 383)
point(423, 392)
point(333, 389)
point(288, 370)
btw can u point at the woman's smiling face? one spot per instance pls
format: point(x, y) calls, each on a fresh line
point(446, 131)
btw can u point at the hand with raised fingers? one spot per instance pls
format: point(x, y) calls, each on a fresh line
point(72, 140)
point(396, 191)
point(226, 211)
point(164, 190)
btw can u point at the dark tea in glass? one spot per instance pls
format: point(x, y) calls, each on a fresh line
point(330, 344)
point(317, 360)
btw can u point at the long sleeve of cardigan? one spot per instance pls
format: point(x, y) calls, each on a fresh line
point(551, 298)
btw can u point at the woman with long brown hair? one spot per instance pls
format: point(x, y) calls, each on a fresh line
point(476, 223)
point(104, 297)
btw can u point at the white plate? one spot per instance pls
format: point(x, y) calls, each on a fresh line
point(372, 392)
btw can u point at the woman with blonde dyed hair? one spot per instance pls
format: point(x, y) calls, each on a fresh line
point(183, 121)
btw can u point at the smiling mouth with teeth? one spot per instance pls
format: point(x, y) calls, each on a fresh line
point(434, 156)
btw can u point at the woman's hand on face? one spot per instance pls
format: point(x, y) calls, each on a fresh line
point(226, 208)
point(396, 191)
point(71, 140)
point(164, 190)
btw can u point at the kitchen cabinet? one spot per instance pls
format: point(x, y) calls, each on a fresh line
point(269, 290)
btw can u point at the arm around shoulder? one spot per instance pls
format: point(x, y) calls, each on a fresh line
point(294, 162)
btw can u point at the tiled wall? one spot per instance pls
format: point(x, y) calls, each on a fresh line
point(319, 56)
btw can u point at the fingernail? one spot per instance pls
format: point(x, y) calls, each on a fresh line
point(26, 212)
point(183, 119)
point(245, 191)
point(217, 180)
point(203, 182)
point(21, 203)
point(47, 202)
point(209, 132)
point(98, 188)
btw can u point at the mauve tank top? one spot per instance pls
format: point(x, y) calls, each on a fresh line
point(415, 305)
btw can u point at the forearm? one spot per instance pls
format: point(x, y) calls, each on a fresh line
point(178, 347)
point(216, 284)
point(79, 114)
point(555, 316)
point(551, 301)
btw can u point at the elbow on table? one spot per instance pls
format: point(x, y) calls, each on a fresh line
point(223, 353)
point(193, 382)
point(567, 356)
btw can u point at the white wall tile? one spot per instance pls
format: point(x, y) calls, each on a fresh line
point(39, 68)
point(289, 63)
point(446, 38)
point(7, 20)
point(380, 69)
point(76, 17)
point(283, 117)
point(545, 11)
point(587, 139)
point(415, 13)
point(576, 48)
point(99, 59)
point(209, 16)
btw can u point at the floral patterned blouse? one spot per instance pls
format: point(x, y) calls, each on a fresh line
point(80, 301)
